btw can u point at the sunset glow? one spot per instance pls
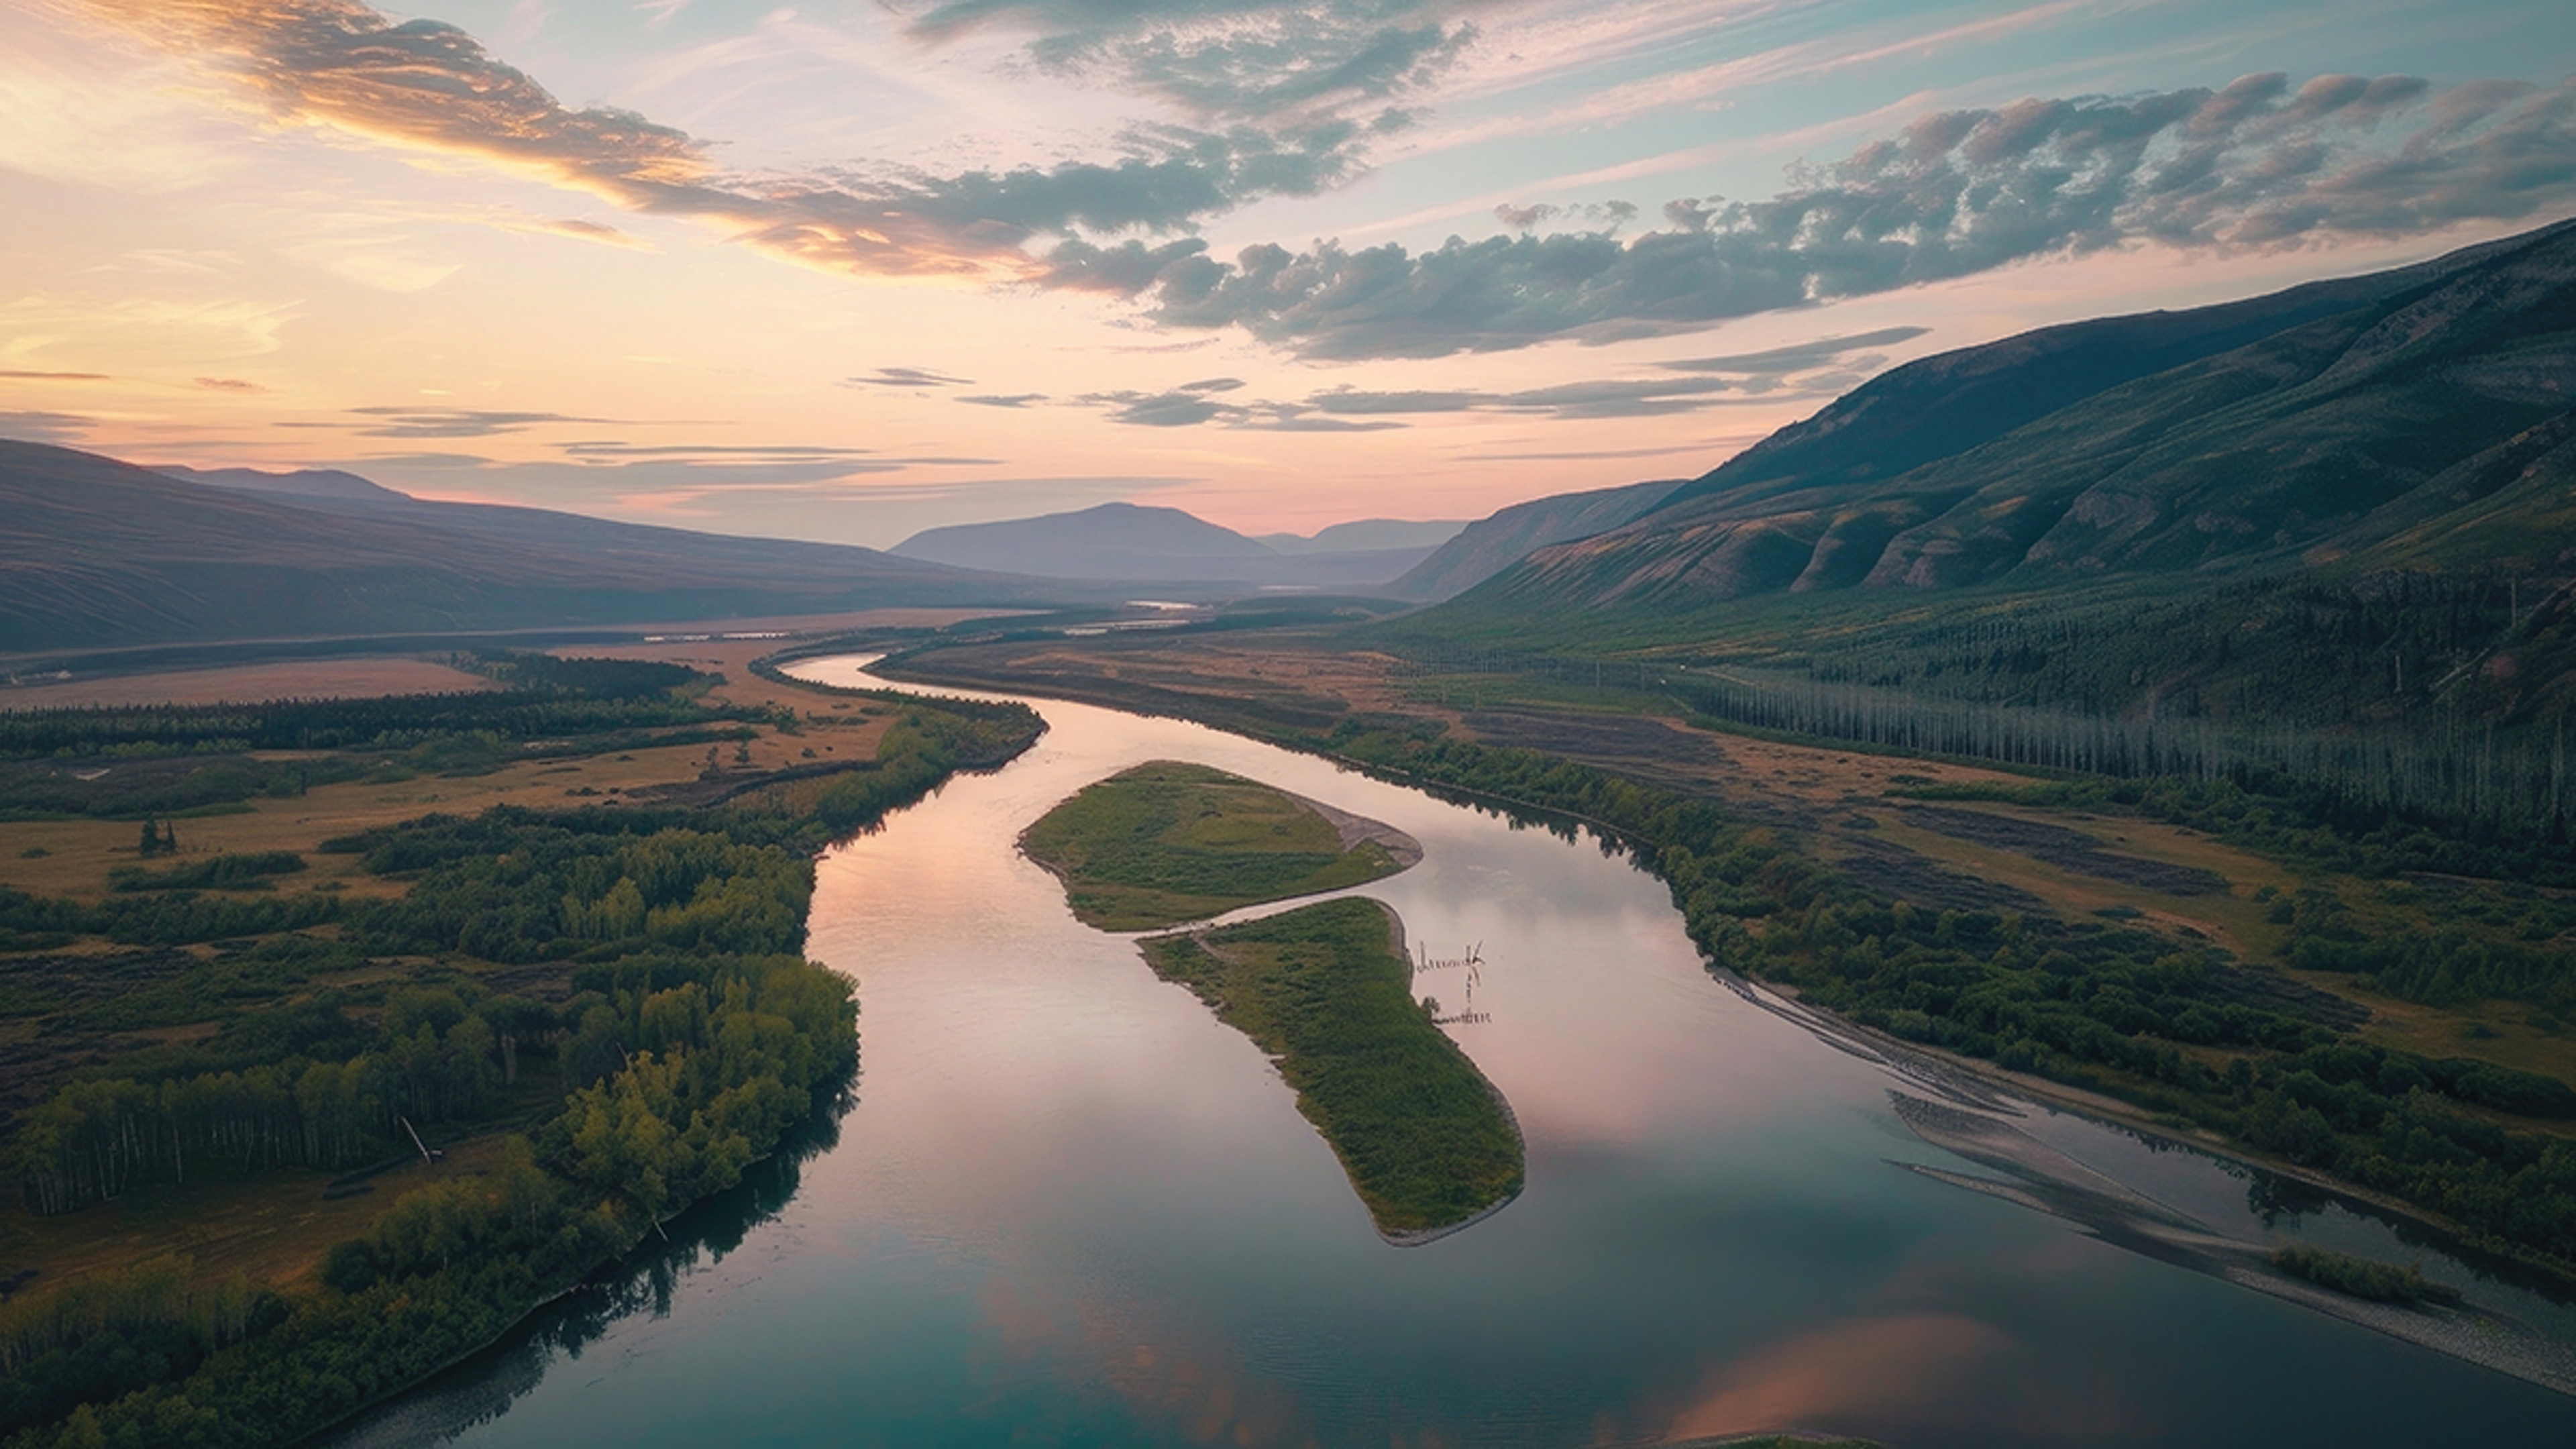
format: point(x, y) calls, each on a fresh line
point(847, 270)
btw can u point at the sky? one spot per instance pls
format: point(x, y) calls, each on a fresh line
point(847, 269)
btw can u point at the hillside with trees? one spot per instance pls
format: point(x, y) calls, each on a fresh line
point(2325, 537)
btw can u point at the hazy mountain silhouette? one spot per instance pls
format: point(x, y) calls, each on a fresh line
point(1140, 543)
point(98, 552)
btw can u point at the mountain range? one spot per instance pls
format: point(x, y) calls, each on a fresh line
point(1142, 543)
point(2366, 484)
point(98, 553)
point(2365, 487)
point(2332, 419)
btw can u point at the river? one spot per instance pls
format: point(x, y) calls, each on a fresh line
point(1069, 1207)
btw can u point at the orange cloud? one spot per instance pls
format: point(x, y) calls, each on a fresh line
point(429, 86)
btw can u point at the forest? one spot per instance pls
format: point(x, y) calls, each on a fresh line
point(2498, 792)
point(2431, 696)
point(671, 1036)
point(2166, 1025)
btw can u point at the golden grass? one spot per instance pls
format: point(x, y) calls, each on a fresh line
point(78, 854)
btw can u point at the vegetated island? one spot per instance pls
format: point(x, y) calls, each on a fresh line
point(1168, 842)
point(1326, 989)
point(1428, 1143)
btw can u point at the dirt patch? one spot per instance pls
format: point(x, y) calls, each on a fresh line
point(2064, 848)
point(1638, 745)
point(1353, 829)
point(1892, 870)
point(2269, 990)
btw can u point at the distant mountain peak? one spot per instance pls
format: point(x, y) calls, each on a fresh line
point(300, 483)
point(1149, 543)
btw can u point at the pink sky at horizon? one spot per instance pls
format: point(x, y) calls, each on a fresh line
point(844, 272)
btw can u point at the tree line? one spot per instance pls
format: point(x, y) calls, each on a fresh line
point(2448, 770)
point(543, 697)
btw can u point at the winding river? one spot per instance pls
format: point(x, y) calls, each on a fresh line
point(1068, 1207)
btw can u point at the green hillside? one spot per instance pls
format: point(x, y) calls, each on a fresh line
point(2338, 523)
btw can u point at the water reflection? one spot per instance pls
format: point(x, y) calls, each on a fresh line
point(484, 1386)
point(1075, 1209)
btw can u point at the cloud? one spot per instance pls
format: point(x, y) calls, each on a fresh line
point(907, 377)
point(1609, 398)
point(411, 422)
point(429, 86)
point(580, 230)
point(1350, 410)
point(1004, 400)
point(1287, 98)
point(620, 451)
point(1596, 454)
point(1193, 345)
point(229, 384)
point(1175, 409)
point(1192, 404)
point(45, 427)
point(1798, 357)
point(16, 376)
point(1229, 58)
point(1611, 215)
point(2253, 165)
point(424, 460)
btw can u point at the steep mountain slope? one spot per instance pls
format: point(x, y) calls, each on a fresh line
point(1487, 547)
point(1977, 467)
point(1144, 544)
point(100, 553)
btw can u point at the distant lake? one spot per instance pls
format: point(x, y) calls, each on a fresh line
point(1068, 1207)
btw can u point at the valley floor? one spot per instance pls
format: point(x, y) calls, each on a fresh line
point(1865, 815)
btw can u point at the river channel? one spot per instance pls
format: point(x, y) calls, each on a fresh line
point(1068, 1207)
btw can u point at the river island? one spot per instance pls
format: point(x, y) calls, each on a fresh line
point(1326, 989)
point(1167, 842)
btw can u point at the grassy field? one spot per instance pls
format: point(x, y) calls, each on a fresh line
point(1165, 843)
point(1325, 989)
